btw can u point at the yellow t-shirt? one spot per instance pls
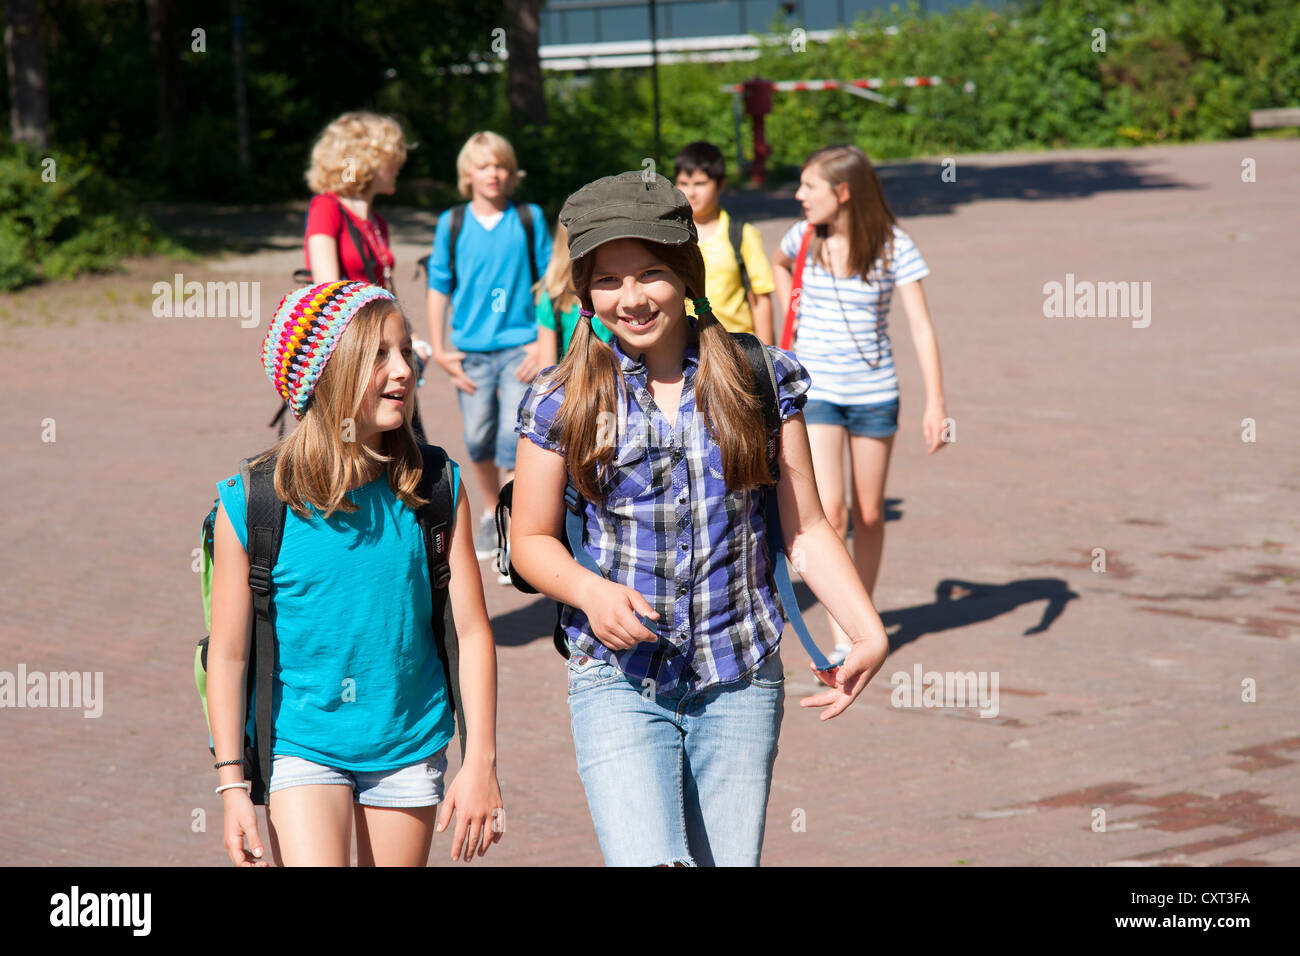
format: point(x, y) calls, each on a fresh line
point(722, 276)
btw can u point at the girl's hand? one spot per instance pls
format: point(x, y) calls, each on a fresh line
point(450, 362)
point(612, 610)
point(532, 363)
point(848, 680)
point(476, 796)
point(241, 821)
point(932, 426)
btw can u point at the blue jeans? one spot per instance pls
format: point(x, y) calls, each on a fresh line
point(490, 413)
point(681, 777)
point(870, 421)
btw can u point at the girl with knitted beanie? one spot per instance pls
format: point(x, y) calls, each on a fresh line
point(676, 686)
point(361, 715)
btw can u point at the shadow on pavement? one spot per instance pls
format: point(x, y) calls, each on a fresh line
point(917, 189)
point(960, 603)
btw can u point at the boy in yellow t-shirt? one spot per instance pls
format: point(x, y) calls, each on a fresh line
point(701, 174)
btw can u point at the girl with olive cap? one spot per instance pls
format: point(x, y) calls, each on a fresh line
point(675, 677)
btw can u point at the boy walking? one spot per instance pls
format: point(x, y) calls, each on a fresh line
point(486, 257)
point(738, 276)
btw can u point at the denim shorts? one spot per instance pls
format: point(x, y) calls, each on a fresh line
point(417, 785)
point(489, 414)
point(679, 778)
point(867, 421)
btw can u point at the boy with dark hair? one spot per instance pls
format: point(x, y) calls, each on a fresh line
point(738, 275)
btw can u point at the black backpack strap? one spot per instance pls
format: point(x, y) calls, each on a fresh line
point(736, 233)
point(374, 274)
point(526, 220)
point(763, 369)
point(265, 528)
point(437, 518)
point(457, 222)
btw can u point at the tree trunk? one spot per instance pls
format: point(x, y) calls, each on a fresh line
point(164, 43)
point(524, 68)
point(29, 99)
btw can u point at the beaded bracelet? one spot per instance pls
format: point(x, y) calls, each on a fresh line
point(227, 763)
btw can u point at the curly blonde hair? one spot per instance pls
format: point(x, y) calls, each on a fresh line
point(483, 146)
point(351, 150)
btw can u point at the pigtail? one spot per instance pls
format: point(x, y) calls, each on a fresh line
point(727, 398)
point(590, 374)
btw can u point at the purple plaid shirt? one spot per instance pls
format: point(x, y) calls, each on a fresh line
point(671, 529)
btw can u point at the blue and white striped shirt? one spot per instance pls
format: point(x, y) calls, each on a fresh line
point(669, 528)
point(838, 320)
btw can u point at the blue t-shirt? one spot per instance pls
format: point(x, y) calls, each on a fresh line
point(492, 307)
point(358, 681)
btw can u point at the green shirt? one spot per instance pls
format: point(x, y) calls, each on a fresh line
point(568, 322)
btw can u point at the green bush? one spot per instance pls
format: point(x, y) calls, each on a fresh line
point(60, 217)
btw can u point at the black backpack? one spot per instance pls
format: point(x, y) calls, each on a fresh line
point(265, 522)
point(764, 372)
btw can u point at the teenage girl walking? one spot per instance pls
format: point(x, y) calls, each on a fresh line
point(361, 715)
point(675, 678)
point(857, 259)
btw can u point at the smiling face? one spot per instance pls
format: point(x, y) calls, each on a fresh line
point(637, 296)
point(392, 383)
point(821, 201)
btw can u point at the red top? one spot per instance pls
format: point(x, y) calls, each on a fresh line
point(325, 217)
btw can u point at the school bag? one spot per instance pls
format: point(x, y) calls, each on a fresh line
point(265, 522)
point(764, 372)
point(458, 221)
point(736, 233)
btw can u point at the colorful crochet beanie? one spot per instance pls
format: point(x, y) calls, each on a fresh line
point(307, 326)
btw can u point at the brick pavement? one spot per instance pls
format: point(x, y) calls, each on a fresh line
point(1072, 434)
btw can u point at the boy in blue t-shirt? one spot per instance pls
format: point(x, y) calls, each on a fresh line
point(494, 350)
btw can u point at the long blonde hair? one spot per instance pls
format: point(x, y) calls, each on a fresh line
point(319, 461)
point(871, 221)
point(726, 395)
point(557, 282)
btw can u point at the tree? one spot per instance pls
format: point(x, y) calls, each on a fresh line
point(524, 67)
point(29, 100)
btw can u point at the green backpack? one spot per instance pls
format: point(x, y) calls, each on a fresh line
point(265, 522)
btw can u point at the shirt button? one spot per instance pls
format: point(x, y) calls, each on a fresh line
point(682, 588)
point(685, 546)
point(230, 482)
point(677, 454)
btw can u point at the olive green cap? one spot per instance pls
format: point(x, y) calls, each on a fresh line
point(635, 205)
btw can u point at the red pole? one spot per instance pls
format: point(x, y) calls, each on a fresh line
point(758, 103)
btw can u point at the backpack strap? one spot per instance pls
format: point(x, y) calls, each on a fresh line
point(736, 233)
point(437, 519)
point(265, 528)
point(374, 274)
point(763, 369)
point(796, 285)
point(457, 223)
point(526, 220)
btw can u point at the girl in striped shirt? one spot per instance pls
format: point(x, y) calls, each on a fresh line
point(676, 689)
point(856, 259)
